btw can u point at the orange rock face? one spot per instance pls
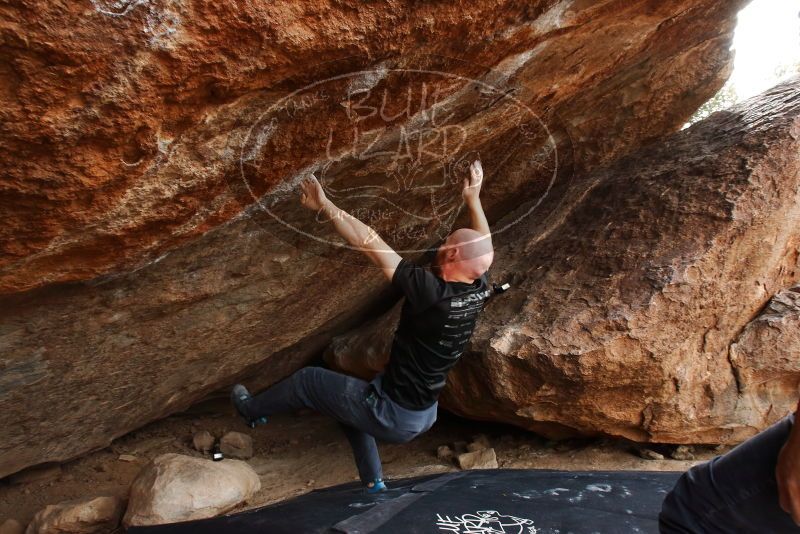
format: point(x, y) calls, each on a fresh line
point(638, 296)
point(125, 122)
point(152, 250)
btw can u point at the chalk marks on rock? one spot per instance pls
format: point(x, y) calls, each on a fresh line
point(161, 20)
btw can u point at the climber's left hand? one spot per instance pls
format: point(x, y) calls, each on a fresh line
point(312, 195)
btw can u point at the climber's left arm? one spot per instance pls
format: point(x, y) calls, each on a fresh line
point(355, 232)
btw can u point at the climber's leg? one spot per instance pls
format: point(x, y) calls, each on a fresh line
point(241, 398)
point(365, 453)
point(333, 394)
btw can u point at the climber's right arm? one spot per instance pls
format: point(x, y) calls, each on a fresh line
point(471, 195)
point(355, 232)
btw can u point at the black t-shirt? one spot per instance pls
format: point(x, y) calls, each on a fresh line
point(436, 322)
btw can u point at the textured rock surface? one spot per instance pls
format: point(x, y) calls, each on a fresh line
point(123, 147)
point(480, 459)
point(236, 445)
point(765, 357)
point(364, 351)
point(176, 488)
point(94, 515)
point(135, 133)
point(637, 293)
point(444, 452)
point(203, 441)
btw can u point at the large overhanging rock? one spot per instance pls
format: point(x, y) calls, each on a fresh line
point(125, 121)
point(636, 307)
point(139, 273)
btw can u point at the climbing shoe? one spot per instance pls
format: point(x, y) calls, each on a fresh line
point(240, 397)
point(376, 487)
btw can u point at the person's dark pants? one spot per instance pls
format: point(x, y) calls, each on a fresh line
point(736, 492)
point(364, 411)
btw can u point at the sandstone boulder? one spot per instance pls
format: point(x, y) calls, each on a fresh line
point(236, 445)
point(649, 454)
point(637, 292)
point(115, 194)
point(180, 488)
point(479, 459)
point(682, 452)
point(94, 515)
point(764, 358)
point(364, 351)
point(445, 453)
point(203, 441)
point(479, 443)
point(151, 250)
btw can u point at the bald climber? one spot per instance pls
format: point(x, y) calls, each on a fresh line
point(437, 319)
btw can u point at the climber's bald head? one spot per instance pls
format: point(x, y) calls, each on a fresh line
point(465, 255)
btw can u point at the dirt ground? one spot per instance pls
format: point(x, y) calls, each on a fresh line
point(300, 453)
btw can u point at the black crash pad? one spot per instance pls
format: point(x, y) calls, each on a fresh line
point(496, 501)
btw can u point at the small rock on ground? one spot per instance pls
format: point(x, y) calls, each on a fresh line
point(649, 454)
point(682, 452)
point(236, 445)
point(483, 459)
point(93, 515)
point(444, 453)
point(203, 441)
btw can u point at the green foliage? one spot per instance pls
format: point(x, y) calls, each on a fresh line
point(725, 98)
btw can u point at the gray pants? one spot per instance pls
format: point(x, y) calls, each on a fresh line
point(735, 492)
point(364, 411)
